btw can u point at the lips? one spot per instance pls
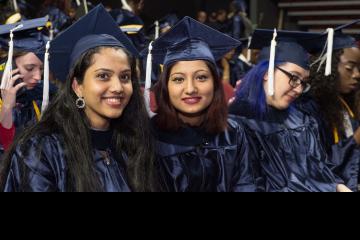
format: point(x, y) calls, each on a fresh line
point(192, 100)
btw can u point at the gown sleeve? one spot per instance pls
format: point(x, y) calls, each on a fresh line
point(244, 179)
point(37, 168)
point(6, 136)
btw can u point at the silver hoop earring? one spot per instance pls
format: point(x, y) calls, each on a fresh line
point(80, 103)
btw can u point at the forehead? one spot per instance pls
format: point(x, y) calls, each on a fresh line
point(352, 54)
point(111, 57)
point(189, 66)
point(29, 58)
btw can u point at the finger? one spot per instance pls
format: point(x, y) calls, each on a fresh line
point(14, 79)
point(19, 86)
point(16, 71)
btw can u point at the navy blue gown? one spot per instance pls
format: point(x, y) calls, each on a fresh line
point(190, 160)
point(345, 167)
point(289, 150)
point(44, 169)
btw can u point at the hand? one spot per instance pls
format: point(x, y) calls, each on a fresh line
point(238, 83)
point(9, 95)
point(342, 188)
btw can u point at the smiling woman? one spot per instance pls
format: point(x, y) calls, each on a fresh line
point(95, 136)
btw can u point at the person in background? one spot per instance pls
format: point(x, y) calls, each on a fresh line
point(202, 17)
point(21, 99)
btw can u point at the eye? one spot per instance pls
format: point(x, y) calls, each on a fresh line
point(125, 78)
point(29, 69)
point(349, 68)
point(202, 78)
point(178, 80)
point(103, 76)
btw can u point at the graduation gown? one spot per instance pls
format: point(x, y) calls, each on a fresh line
point(291, 157)
point(192, 161)
point(347, 152)
point(44, 169)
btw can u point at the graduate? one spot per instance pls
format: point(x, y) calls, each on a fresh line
point(199, 147)
point(287, 140)
point(338, 116)
point(21, 74)
point(95, 135)
point(129, 21)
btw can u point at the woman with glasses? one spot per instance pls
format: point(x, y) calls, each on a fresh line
point(290, 157)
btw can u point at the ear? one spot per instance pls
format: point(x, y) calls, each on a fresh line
point(78, 89)
point(266, 76)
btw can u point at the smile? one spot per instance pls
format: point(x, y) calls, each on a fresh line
point(192, 100)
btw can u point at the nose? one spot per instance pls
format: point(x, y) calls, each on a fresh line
point(116, 85)
point(299, 89)
point(37, 75)
point(191, 89)
point(356, 74)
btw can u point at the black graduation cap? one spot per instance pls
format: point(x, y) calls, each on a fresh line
point(191, 40)
point(284, 46)
point(342, 40)
point(27, 38)
point(93, 30)
point(292, 46)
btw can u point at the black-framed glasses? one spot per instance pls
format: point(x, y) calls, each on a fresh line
point(296, 81)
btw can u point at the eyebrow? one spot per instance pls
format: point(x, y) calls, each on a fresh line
point(195, 72)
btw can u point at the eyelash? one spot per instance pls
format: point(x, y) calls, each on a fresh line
point(126, 78)
point(201, 78)
point(103, 76)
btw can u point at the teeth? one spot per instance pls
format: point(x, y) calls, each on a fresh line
point(113, 100)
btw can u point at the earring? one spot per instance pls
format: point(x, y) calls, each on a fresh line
point(80, 103)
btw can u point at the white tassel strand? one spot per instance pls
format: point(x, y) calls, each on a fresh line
point(330, 46)
point(157, 30)
point(45, 101)
point(271, 88)
point(148, 81)
point(7, 76)
point(126, 6)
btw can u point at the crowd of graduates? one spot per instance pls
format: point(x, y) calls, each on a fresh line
point(94, 101)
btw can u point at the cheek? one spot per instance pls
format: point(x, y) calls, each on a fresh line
point(175, 91)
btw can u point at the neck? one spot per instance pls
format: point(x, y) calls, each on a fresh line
point(192, 120)
point(97, 122)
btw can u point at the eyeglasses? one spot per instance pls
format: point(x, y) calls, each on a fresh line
point(296, 81)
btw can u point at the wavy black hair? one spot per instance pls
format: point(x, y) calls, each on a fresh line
point(325, 91)
point(132, 135)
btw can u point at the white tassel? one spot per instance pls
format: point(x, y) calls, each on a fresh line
point(45, 101)
point(330, 46)
point(16, 7)
point(248, 57)
point(78, 3)
point(86, 8)
point(148, 81)
point(271, 88)
point(7, 76)
point(157, 30)
point(126, 6)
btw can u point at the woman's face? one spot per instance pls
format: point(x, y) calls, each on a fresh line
point(31, 68)
point(191, 89)
point(107, 87)
point(285, 94)
point(349, 70)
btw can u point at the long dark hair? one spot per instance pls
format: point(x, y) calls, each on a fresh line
point(325, 91)
point(131, 135)
point(216, 114)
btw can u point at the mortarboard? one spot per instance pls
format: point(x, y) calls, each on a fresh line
point(334, 39)
point(93, 30)
point(284, 46)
